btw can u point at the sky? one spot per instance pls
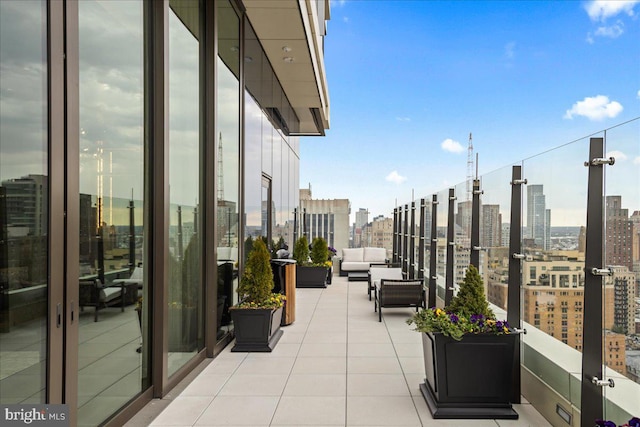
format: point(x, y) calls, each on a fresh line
point(410, 80)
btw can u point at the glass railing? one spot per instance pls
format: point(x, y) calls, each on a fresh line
point(553, 238)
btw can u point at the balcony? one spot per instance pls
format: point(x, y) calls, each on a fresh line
point(335, 366)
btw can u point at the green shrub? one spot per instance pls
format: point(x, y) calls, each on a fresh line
point(256, 285)
point(319, 251)
point(301, 251)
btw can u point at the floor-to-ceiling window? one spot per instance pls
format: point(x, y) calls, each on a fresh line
point(111, 284)
point(228, 161)
point(24, 202)
point(185, 327)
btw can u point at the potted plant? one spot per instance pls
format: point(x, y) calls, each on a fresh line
point(312, 266)
point(468, 356)
point(258, 315)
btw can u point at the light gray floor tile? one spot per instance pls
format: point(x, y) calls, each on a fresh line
point(320, 365)
point(412, 365)
point(183, 411)
point(254, 385)
point(315, 410)
point(239, 411)
point(373, 365)
point(323, 349)
point(382, 411)
point(528, 416)
point(376, 385)
point(316, 385)
point(371, 350)
point(275, 365)
point(281, 350)
point(206, 385)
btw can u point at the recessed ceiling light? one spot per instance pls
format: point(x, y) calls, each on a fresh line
point(287, 59)
point(248, 59)
point(234, 48)
point(286, 48)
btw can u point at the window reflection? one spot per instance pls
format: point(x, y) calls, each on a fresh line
point(112, 346)
point(24, 202)
point(228, 166)
point(185, 284)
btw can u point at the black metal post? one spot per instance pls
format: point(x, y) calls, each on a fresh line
point(591, 393)
point(132, 237)
point(405, 241)
point(515, 274)
point(433, 258)
point(475, 225)
point(295, 226)
point(412, 242)
point(421, 234)
point(395, 236)
point(448, 295)
point(180, 246)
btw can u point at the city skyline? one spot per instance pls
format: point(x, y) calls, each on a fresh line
point(521, 76)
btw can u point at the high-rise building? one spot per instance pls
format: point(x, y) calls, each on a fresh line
point(624, 290)
point(327, 218)
point(490, 226)
point(538, 217)
point(618, 233)
point(379, 234)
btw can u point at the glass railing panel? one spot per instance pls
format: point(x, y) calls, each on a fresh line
point(441, 246)
point(495, 214)
point(417, 241)
point(462, 231)
point(554, 218)
point(621, 302)
point(426, 223)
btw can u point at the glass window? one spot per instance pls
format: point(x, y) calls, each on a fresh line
point(111, 208)
point(24, 202)
point(228, 162)
point(185, 251)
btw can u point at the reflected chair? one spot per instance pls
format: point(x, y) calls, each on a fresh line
point(93, 293)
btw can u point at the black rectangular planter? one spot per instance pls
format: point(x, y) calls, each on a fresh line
point(256, 330)
point(469, 379)
point(311, 277)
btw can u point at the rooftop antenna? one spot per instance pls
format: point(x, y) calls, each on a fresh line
point(470, 168)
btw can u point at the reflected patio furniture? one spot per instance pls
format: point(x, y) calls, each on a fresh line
point(94, 294)
point(380, 271)
point(137, 279)
point(399, 293)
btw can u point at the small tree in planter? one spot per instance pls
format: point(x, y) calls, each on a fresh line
point(258, 315)
point(468, 356)
point(311, 274)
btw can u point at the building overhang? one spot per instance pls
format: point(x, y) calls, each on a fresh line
point(291, 33)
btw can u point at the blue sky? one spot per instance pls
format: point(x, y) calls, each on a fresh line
point(409, 80)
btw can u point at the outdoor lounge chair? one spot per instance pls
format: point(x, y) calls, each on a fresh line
point(382, 271)
point(399, 293)
point(94, 294)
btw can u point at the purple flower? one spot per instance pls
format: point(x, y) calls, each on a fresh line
point(454, 318)
point(634, 422)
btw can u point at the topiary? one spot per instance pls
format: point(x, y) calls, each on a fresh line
point(256, 284)
point(319, 251)
point(470, 299)
point(301, 251)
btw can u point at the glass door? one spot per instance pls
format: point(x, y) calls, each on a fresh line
point(24, 207)
point(112, 291)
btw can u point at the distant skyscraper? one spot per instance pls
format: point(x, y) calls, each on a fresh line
point(328, 218)
point(491, 226)
point(538, 217)
point(618, 233)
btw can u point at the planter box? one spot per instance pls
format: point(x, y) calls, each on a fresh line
point(470, 378)
point(311, 277)
point(256, 329)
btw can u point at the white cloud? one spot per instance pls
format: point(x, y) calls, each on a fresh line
point(639, 94)
point(403, 119)
point(636, 161)
point(345, 19)
point(396, 178)
point(337, 3)
point(452, 146)
point(600, 10)
point(595, 108)
point(612, 31)
point(618, 155)
point(509, 50)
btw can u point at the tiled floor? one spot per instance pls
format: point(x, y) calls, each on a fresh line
point(336, 365)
